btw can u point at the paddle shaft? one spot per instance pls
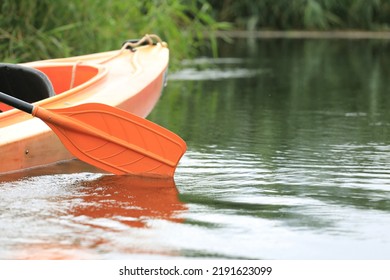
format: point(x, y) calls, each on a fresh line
point(16, 103)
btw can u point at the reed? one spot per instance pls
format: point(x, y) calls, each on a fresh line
point(305, 14)
point(34, 30)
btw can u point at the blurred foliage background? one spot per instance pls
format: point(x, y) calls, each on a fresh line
point(304, 14)
point(33, 30)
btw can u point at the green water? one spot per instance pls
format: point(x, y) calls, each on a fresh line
point(288, 158)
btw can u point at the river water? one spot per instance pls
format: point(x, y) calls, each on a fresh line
point(288, 158)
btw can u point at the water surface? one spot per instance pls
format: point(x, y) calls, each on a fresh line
point(288, 158)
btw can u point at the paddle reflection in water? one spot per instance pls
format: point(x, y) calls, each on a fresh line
point(85, 215)
point(131, 200)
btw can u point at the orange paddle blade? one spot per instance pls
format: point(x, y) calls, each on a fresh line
point(115, 140)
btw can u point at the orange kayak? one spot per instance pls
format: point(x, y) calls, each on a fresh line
point(131, 78)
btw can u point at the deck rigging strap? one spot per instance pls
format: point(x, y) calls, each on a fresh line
point(148, 39)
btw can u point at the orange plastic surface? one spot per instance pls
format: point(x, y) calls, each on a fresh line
point(115, 140)
point(61, 76)
point(4, 107)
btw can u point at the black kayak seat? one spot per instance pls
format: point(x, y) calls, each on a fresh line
point(26, 83)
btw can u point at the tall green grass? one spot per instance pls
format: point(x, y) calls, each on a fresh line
point(33, 30)
point(305, 14)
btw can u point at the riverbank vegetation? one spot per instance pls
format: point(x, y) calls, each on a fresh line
point(32, 30)
point(371, 15)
